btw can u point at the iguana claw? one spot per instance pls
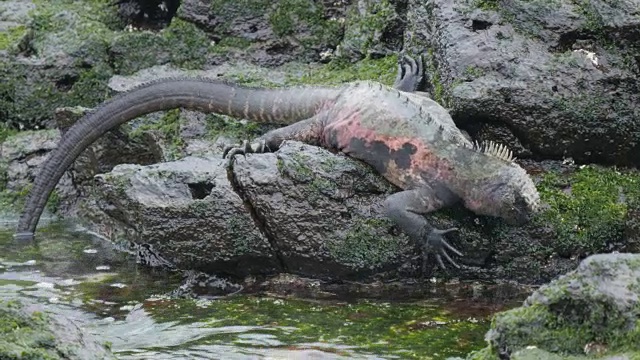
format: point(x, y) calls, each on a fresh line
point(246, 148)
point(436, 243)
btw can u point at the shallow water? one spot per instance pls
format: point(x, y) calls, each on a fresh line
point(126, 305)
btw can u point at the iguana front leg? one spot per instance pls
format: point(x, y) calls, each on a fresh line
point(406, 209)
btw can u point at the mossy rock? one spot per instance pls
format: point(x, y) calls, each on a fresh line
point(73, 49)
point(587, 208)
point(591, 310)
point(28, 334)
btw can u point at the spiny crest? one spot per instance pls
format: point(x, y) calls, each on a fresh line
point(498, 151)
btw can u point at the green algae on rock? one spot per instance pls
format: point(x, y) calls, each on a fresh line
point(594, 307)
point(588, 207)
point(32, 334)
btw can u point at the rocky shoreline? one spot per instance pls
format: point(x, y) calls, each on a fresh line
point(554, 80)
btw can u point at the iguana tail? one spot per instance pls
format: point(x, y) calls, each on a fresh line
point(283, 106)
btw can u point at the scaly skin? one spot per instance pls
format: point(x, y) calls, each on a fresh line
point(404, 135)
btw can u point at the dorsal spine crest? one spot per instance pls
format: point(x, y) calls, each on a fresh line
point(493, 149)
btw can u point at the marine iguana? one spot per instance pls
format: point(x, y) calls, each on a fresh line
point(405, 136)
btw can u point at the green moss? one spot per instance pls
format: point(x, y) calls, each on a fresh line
point(25, 336)
point(288, 16)
point(559, 321)
point(219, 125)
point(368, 244)
point(473, 72)
point(299, 169)
point(231, 42)
point(10, 37)
point(169, 128)
point(388, 330)
point(187, 44)
point(303, 20)
point(242, 243)
point(594, 22)
point(53, 203)
point(366, 24)
point(487, 4)
point(323, 186)
point(440, 91)
point(6, 131)
point(340, 71)
point(586, 208)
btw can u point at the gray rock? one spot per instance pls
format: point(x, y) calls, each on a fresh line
point(589, 310)
point(188, 212)
point(14, 13)
point(373, 28)
point(274, 31)
point(302, 210)
point(554, 79)
point(321, 211)
point(22, 155)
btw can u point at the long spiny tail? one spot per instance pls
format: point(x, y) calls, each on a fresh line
point(283, 106)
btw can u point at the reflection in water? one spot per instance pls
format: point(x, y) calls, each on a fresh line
point(103, 290)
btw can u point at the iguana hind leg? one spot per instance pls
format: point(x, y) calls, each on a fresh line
point(406, 209)
point(308, 131)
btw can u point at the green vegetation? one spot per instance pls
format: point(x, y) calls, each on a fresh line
point(26, 335)
point(5, 132)
point(403, 330)
point(169, 129)
point(11, 37)
point(365, 26)
point(340, 71)
point(90, 33)
point(289, 16)
point(368, 245)
point(587, 209)
point(487, 4)
point(570, 313)
point(218, 125)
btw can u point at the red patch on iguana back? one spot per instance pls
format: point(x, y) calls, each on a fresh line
point(403, 160)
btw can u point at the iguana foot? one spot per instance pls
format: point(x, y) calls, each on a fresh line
point(260, 146)
point(410, 74)
point(435, 243)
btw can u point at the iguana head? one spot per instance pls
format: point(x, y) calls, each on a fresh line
point(511, 195)
point(502, 188)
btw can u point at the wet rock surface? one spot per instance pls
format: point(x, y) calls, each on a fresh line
point(322, 212)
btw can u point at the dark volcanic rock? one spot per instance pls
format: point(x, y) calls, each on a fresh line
point(561, 77)
point(314, 207)
point(277, 31)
